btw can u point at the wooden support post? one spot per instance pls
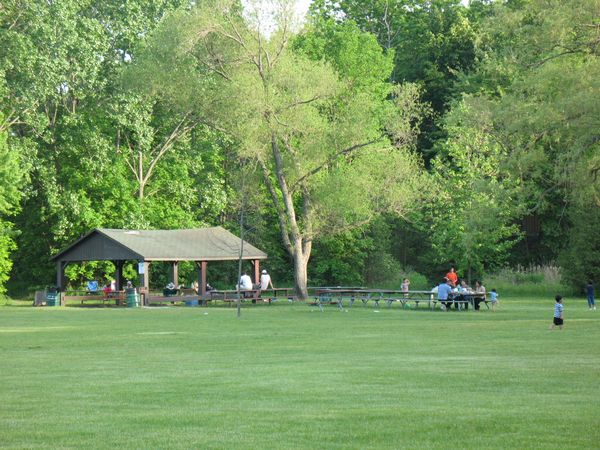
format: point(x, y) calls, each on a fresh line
point(175, 273)
point(204, 265)
point(145, 277)
point(60, 275)
point(119, 274)
point(257, 271)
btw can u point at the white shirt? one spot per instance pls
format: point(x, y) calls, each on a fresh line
point(265, 279)
point(245, 282)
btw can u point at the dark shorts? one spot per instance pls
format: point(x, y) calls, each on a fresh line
point(558, 321)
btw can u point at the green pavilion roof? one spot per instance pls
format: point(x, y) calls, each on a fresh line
point(199, 244)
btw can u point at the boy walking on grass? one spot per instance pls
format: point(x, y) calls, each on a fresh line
point(558, 313)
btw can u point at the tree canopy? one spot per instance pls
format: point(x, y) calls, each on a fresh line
point(377, 137)
point(318, 135)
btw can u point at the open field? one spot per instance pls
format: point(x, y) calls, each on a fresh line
point(288, 376)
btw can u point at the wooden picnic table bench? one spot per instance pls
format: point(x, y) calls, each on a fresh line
point(276, 293)
point(336, 296)
point(85, 296)
point(187, 295)
point(232, 295)
point(327, 297)
point(463, 300)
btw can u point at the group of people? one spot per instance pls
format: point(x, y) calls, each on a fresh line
point(451, 290)
point(246, 284)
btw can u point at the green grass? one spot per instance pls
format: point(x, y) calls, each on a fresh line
point(288, 376)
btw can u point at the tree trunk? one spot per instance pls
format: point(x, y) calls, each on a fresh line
point(300, 273)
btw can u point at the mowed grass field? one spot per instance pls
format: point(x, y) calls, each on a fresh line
point(287, 376)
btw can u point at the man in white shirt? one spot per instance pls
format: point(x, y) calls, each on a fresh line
point(245, 282)
point(265, 281)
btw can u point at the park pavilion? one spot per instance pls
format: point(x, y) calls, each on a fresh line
point(200, 245)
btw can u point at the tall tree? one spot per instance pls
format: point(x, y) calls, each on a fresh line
point(537, 84)
point(12, 175)
point(474, 217)
point(330, 157)
point(70, 120)
point(432, 43)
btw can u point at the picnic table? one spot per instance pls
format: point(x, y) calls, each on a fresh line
point(276, 293)
point(178, 295)
point(463, 299)
point(337, 296)
point(233, 295)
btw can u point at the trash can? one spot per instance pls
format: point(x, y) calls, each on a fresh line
point(132, 298)
point(191, 303)
point(52, 297)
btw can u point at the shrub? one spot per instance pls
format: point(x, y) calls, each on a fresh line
point(418, 282)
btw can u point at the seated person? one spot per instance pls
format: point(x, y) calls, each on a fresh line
point(265, 281)
point(444, 294)
point(170, 290)
point(479, 289)
point(245, 283)
point(464, 291)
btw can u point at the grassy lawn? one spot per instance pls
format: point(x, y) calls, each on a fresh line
point(288, 376)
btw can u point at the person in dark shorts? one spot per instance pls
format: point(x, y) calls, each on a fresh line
point(558, 313)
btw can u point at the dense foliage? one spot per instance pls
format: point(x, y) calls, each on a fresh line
point(381, 138)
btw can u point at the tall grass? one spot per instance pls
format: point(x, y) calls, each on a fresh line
point(418, 282)
point(531, 281)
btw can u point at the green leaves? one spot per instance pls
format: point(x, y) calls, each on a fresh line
point(474, 220)
point(12, 176)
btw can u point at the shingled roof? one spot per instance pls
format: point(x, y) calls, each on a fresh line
point(200, 244)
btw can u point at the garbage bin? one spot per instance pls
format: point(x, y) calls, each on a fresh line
point(132, 298)
point(52, 297)
point(191, 303)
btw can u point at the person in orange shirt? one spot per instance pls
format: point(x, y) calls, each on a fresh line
point(452, 277)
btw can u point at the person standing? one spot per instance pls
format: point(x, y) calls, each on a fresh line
point(558, 319)
point(405, 287)
point(494, 299)
point(265, 281)
point(590, 295)
point(452, 277)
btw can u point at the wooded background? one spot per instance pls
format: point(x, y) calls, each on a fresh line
point(380, 137)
